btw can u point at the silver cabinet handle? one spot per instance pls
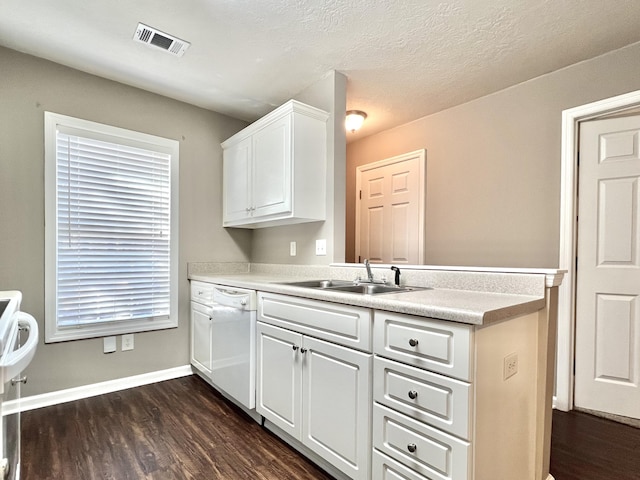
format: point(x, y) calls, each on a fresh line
point(413, 342)
point(22, 380)
point(412, 447)
point(413, 394)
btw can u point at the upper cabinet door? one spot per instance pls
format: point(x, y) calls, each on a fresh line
point(237, 181)
point(275, 169)
point(272, 169)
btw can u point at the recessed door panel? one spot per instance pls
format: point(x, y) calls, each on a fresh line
point(279, 377)
point(272, 169)
point(616, 357)
point(618, 222)
point(400, 225)
point(619, 146)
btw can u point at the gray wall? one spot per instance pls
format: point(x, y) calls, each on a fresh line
point(271, 245)
point(28, 87)
point(493, 165)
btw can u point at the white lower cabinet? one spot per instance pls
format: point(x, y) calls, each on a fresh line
point(386, 468)
point(317, 392)
point(432, 402)
point(279, 378)
point(426, 450)
point(201, 325)
point(201, 338)
point(422, 419)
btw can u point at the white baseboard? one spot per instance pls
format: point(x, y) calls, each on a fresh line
point(86, 391)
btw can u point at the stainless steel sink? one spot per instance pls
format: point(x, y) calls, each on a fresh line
point(320, 283)
point(351, 287)
point(375, 289)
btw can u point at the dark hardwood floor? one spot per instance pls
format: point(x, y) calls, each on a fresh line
point(178, 429)
point(584, 447)
point(181, 429)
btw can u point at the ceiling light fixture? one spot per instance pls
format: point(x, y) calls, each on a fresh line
point(354, 120)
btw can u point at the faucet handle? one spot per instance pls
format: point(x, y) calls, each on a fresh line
point(397, 279)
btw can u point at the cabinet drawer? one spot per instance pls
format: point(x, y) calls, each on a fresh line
point(341, 324)
point(431, 398)
point(201, 292)
point(436, 455)
point(440, 346)
point(386, 468)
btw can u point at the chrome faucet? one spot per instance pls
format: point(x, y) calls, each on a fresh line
point(368, 267)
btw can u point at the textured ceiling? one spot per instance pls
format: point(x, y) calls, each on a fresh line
point(403, 59)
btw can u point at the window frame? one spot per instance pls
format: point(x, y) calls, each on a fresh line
point(53, 332)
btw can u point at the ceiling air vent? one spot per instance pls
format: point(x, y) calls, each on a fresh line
point(151, 36)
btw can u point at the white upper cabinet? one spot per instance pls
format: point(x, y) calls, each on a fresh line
point(275, 169)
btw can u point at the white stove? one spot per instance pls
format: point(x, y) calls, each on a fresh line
point(18, 343)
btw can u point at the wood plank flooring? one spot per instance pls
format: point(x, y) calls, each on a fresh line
point(182, 430)
point(178, 429)
point(584, 447)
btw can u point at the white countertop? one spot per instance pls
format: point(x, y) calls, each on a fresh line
point(459, 305)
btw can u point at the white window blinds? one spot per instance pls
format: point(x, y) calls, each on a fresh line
point(113, 230)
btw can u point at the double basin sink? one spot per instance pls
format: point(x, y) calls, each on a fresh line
point(354, 287)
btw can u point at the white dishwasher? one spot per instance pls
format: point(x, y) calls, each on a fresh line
point(223, 339)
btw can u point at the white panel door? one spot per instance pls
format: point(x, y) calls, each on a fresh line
point(279, 377)
point(272, 169)
point(337, 405)
point(237, 181)
point(608, 276)
point(390, 210)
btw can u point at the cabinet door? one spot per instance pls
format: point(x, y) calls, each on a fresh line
point(237, 181)
point(336, 403)
point(201, 338)
point(272, 183)
point(278, 377)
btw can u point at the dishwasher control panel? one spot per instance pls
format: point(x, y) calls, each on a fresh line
point(235, 297)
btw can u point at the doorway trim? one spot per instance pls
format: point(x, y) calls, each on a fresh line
point(571, 119)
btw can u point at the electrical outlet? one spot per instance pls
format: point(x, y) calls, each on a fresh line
point(109, 344)
point(127, 342)
point(510, 365)
point(321, 247)
point(292, 249)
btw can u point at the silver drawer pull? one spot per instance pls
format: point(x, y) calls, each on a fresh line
point(22, 380)
point(413, 342)
point(200, 292)
point(413, 394)
point(412, 447)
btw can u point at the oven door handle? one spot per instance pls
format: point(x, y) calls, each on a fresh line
point(17, 360)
